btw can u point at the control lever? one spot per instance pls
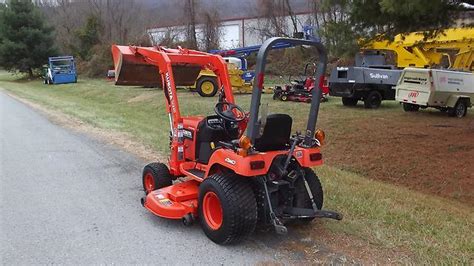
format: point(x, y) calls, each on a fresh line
point(290, 153)
point(228, 145)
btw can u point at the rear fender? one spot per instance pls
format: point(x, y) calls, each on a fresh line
point(453, 99)
point(225, 158)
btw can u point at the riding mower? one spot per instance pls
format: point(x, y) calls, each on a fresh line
point(230, 180)
point(300, 90)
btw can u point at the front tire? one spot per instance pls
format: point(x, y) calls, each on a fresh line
point(348, 101)
point(227, 208)
point(207, 86)
point(373, 100)
point(156, 176)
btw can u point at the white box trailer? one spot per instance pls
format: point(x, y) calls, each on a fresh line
point(447, 90)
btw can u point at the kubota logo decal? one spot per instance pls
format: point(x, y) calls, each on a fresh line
point(170, 91)
point(413, 94)
point(229, 160)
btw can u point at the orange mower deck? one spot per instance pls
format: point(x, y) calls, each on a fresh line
point(173, 202)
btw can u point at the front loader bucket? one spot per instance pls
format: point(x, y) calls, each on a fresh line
point(131, 69)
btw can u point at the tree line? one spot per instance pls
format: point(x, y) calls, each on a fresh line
point(31, 31)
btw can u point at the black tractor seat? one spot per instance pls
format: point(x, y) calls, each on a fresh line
point(276, 133)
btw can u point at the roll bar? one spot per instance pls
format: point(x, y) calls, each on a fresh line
point(253, 127)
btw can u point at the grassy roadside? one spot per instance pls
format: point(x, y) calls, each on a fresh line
point(426, 228)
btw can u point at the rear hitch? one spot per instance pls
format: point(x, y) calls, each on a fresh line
point(328, 214)
point(301, 213)
point(277, 224)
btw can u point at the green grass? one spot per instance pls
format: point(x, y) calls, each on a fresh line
point(430, 229)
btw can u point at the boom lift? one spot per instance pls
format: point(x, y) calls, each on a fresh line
point(455, 44)
point(240, 77)
point(231, 181)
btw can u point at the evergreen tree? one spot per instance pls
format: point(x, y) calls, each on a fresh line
point(390, 17)
point(25, 40)
point(89, 36)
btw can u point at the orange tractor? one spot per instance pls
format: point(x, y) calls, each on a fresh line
point(236, 170)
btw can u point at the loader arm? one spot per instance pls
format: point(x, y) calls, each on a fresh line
point(172, 67)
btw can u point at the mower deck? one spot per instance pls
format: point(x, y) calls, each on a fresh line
point(175, 201)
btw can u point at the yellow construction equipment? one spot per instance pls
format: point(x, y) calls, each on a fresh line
point(206, 82)
point(454, 45)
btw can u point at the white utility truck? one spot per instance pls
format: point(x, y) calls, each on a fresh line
point(447, 90)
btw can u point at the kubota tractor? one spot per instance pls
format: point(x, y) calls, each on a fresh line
point(228, 179)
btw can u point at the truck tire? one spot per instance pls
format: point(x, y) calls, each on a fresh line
point(207, 86)
point(348, 101)
point(373, 100)
point(459, 110)
point(227, 207)
point(155, 176)
point(301, 197)
point(408, 107)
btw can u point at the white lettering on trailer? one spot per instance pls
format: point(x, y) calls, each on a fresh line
point(378, 76)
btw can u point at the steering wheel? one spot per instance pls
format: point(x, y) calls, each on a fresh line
point(229, 112)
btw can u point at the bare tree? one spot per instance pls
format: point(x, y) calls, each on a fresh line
point(190, 15)
point(123, 20)
point(273, 18)
point(211, 30)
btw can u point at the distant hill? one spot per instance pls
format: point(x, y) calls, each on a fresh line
point(170, 12)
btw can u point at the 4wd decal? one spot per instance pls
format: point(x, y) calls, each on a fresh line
point(229, 160)
point(413, 94)
point(188, 134)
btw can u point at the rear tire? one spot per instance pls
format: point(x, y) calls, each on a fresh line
point(227, 208)
point(207, 87)
point(156, 176)
point(348, 101)
point(459, 110)
point(301, 198)
point(373, 100)
point(276, 96)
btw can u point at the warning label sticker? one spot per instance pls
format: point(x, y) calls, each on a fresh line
point(166, 202)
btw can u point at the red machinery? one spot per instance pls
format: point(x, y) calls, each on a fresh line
point(300, 90)
point(232, 180)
